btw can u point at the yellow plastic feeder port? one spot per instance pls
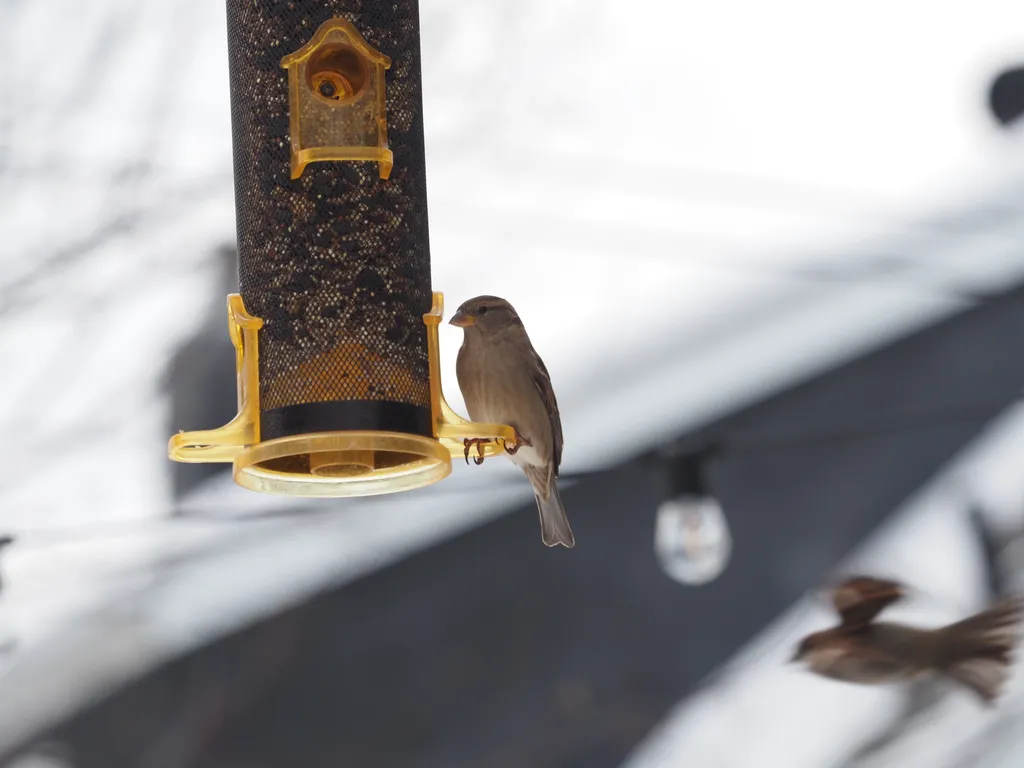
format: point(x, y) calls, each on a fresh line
point(333, 464)
point(336, 99)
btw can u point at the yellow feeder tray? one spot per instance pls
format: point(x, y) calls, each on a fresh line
point(333, 464)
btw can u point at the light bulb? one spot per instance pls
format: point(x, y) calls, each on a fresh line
point(692, 539)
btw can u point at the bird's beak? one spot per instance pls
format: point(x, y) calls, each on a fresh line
point(461, 320)
point(795, 658)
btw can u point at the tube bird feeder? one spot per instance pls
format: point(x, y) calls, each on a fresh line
point(335, 325)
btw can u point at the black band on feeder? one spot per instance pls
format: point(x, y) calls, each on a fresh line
point(353, 414)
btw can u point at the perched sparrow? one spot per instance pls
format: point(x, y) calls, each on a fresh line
point(975, 652)
point(504, 381)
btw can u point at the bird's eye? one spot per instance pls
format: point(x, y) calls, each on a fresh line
point(482, 310)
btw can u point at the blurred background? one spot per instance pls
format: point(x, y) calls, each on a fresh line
point(786, 231)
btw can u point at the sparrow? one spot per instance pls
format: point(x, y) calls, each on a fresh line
point(504, 381)
point(975, 652)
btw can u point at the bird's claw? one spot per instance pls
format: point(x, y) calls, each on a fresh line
point(469, 442)
point(520, 441)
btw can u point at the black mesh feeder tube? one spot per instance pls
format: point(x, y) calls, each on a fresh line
point(335, 323)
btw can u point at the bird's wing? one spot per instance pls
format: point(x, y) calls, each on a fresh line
point(851, 658)
point(860, 599)
point(542, 380)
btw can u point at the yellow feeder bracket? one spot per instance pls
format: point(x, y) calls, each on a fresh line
point(339, 384)
point(227, 442)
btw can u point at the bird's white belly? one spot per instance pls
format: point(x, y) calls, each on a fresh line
point(527, 456)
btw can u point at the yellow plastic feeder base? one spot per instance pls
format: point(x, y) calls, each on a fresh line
point(333, 464)
point(342, 464)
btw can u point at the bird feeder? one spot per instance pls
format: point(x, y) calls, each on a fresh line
point(335, 325)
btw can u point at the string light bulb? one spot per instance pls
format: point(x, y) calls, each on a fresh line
point(691, 534)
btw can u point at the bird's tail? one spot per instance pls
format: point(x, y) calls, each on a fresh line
point(978, 651)
point(554, 525)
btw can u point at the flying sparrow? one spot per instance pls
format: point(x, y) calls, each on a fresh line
point(975, 652)
point(504, 381)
